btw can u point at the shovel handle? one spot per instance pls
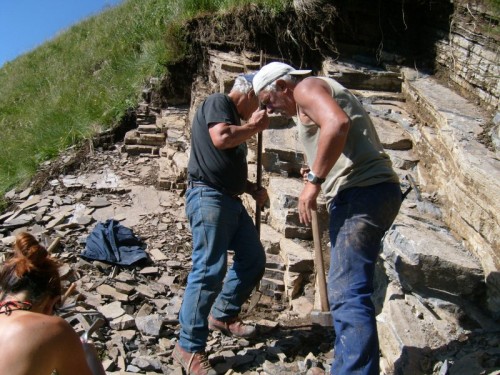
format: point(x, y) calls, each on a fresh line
point(259, 179)
point(259, 159)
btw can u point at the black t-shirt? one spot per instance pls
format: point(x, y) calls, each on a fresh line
point(223, 169)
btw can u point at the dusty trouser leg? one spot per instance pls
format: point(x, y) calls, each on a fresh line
point(359, 217)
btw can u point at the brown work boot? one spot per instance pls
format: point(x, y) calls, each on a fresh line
point(193, 363)
point(232, 327)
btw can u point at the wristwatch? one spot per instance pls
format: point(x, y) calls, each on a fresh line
point(313, 179)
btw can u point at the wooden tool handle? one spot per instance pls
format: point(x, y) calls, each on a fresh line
point(318, 262)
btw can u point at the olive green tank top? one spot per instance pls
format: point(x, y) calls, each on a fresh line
point(363, 161)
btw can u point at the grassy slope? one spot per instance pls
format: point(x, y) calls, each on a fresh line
point(55, 95)
point(84, 80)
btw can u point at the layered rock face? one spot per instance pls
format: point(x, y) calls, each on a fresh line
point(464, 172)
point(469, 54)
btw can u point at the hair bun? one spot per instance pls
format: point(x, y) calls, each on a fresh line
point(28, 253)
point(31, 269)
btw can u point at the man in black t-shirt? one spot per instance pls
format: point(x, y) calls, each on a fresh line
point(217, 173)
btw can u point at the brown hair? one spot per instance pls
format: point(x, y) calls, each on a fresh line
point(30, 269)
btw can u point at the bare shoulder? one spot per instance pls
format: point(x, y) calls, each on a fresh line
point(33, 337)
point(45, 342)
point(33, 330)
point(310, 89)
point(312, 83)
point(45, 326)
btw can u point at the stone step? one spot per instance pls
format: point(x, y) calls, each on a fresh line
point(275, 262)
point(270, 240)
point(140, 149)
point(134, 137)
point(297, 258)
point(172, 168)
point(142, 118)
point(281, 151)
point(276, 274)
point(283, 216)
point(272, 284)
point(362, 77)
point(149, 129)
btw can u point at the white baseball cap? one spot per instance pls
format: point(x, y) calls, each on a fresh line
point(273, 71)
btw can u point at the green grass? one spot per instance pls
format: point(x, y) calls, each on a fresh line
point(86, 78)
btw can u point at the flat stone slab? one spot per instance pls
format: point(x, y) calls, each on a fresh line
point(362, 77)
point(421, 256)
point(143, 200)
point(283, 215)
point(404, 336)
point(392, 136)
point(282, 151)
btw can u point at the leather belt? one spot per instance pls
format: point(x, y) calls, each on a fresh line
point(194, 183)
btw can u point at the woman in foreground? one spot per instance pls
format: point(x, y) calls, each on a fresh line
point(32, 340)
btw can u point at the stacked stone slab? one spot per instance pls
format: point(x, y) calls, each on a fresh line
point(149, 136)
point(175, 153)
point(225, 66)
point(440, 252)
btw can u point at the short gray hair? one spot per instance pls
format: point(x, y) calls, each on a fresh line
point(242, 85)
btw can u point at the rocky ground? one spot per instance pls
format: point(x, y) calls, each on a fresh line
point(136, 307)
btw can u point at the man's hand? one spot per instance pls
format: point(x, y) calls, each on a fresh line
point(226, 136)
point(259, 194)
point(260, 119)
point(307, 202)
point(303, 172)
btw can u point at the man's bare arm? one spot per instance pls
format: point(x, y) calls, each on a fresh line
point(226, 136)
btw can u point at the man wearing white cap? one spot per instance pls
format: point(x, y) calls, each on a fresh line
point(346, 161)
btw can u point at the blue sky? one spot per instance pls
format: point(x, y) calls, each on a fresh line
point(25, 24)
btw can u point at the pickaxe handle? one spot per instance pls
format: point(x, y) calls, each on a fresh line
point(318, 262)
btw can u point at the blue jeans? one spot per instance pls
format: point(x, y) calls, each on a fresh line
point(359, 218)
point(218, 223)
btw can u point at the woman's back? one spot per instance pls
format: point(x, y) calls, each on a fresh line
point(32, 340)
point(37, 344)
